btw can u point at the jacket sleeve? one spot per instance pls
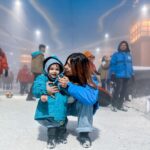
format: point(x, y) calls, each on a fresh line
point(39, 86)
point(86, 95)
point(113, 64)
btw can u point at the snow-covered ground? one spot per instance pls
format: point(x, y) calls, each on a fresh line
point(113, 130)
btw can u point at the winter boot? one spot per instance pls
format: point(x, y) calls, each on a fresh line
point(51, 142)
point(129, 100)
point(84, 139)
point(122, 109)
point(61, 134)
point(114, 109)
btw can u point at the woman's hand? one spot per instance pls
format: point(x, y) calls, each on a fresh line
point(51, 89)
point(63, 81)
point(44, 98)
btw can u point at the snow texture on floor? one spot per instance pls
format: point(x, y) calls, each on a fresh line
point(113, 130)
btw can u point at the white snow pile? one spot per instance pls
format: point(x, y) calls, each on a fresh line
point(140, 104)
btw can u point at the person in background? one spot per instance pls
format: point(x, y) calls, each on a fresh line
point(3, 63)
point(91, 58)
point(23, 78)
point(121, 71)
point(104, 72)
point(36, 66)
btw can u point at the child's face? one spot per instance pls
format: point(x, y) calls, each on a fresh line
point(54, 70)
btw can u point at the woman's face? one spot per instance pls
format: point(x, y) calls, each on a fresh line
point(68, 71)
point(123, 46)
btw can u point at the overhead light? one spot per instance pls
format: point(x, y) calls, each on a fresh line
point(106, 36)
point(38, 33)
point(144, 9)
point(17, 3)
point(97, 49)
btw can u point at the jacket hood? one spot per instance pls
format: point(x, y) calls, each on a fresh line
point(36, 53)
point(51, 60)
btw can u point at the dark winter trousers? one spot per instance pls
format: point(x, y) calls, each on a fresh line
point(54, 128)
point(120, 92)
point(7, 86)
point(30, 95)
point(106, 84)
point(23, 88)
point(57, 133)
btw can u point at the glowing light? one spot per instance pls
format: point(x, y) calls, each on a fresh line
point(140, 29)
point(47, 47)
point(97, 50)
point(11, 53)
point(17, 8)
point(38, 33)
point(106, 36)
point(144, 9)
point(25, 59)
point(17, 3)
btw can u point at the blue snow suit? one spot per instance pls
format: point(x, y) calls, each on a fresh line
point(55, 107)
point(121, 65)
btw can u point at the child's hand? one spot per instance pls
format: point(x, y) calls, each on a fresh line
point(64, 81)
point(44, 98)
point(51, 89)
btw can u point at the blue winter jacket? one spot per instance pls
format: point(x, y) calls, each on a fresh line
point(85, 94)
point(55, 107)
point(121, 65)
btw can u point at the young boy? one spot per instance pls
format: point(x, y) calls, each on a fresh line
point(51, 110)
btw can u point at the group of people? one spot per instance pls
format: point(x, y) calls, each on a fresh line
point(64, 90)
point(72, 89)
point(115, 73)
point(24, 76)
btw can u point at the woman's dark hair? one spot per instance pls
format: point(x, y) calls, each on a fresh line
point(124, 42)
point(80, 67)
